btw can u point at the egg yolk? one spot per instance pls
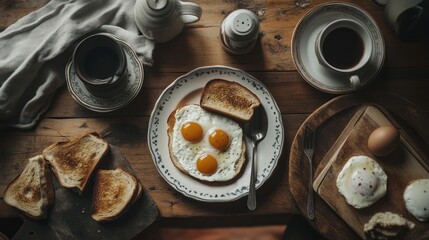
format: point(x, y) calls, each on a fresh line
point(219, 139)
point(192, 131)
point(364, 182)
point(207, 164)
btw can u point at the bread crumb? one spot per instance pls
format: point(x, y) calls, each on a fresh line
point(387, 225)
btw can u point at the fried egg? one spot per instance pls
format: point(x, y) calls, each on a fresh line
point(362, 181)
point(206, 145)
point(416, 197)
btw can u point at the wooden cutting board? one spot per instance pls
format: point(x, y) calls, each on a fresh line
point(70, 217)
point(330, 120)
point(404, 165)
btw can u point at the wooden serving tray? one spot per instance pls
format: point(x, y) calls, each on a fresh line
point(405, 164)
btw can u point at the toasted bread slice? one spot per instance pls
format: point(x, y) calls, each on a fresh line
point(229, 98)
point(74, 161)
point(171, 122)
point(32, 191)
point(114, 192)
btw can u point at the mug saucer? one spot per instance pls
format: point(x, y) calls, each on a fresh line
point(98, 104)
point(304, 54)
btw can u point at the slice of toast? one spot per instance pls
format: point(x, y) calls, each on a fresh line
point(171, 121)
point(74, 161)
point(114, 192)
point(229, 98)
point(32, 191)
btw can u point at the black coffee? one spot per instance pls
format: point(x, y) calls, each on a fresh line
point(343, 48)
point(101, 63)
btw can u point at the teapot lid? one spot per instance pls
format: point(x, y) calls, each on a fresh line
point(157, 4)
point(158, 8)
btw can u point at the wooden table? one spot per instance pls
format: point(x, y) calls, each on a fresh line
point(405, 73)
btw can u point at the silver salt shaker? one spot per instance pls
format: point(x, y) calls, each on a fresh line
point(239, 31)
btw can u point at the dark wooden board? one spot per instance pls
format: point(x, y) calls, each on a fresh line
point(330, 121)
point(70, 218)
point(404, 165)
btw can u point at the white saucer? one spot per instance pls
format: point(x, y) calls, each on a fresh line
point(134, 83)
point(303, 47)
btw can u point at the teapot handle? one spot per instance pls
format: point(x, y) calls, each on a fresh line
point(191, 12)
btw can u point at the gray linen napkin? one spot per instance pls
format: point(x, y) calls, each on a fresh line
point(35, 49)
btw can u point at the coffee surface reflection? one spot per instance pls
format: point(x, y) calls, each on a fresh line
point(343, 48)
point(101, 65)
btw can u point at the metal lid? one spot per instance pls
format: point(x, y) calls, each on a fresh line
point(157, 4)
point(242, 25)
point(158, 8)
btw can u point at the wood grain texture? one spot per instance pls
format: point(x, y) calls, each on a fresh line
point(199, 43)
point(403, 166)
point(405, 73)
point(292, 94)
point(129, 135)
point(330, 121)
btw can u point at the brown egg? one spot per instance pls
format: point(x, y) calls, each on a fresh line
point(383, 140)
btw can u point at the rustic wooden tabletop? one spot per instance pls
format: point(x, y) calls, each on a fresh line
point(405, 73)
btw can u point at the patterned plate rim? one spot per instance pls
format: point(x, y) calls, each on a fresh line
point(240, 76)
point(139, 80)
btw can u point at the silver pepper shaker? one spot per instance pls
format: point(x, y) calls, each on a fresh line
point(239, 31)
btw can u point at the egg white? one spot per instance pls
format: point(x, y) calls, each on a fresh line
point(187, 152)
point(362, 181)
point(416, 197)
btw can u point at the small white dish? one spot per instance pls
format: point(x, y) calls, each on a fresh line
point(100, 104)
point(187, 90)
point(304, 54)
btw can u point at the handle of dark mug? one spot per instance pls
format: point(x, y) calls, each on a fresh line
point(354, 82)
point(412, 24)
point(191, 12)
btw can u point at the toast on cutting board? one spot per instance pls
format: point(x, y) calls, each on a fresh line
point(32, 191)
point(114, 192)
point(73, 162)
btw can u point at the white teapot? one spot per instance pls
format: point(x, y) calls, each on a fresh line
point(162, 20)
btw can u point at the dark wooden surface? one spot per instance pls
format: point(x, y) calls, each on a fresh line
point(70, 217)
point(330, 120)
point(405, 73)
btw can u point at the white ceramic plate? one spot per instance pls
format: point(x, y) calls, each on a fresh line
point(135, 82)
point(303, 47)
point(186, 90)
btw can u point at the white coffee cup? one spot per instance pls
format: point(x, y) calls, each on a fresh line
point(162, 20)
point(345, 46)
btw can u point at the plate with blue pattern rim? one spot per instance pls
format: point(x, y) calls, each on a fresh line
point(186, 89)
point(98, 104)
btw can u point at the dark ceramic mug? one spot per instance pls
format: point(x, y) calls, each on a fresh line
point(101, 64)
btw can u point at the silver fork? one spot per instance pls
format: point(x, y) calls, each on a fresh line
point(309, 145)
